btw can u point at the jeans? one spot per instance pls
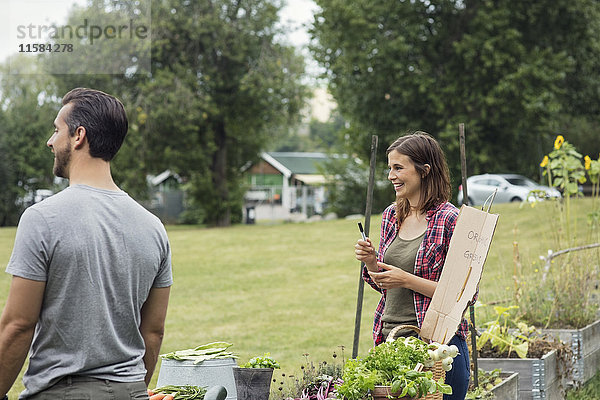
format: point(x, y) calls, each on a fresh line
point(458, 377)
point(84, 388)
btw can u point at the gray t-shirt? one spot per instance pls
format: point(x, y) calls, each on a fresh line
point(100, 253)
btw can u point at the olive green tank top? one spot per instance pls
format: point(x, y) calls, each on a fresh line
point(399, 302)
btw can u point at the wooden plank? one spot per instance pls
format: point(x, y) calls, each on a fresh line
point(550, 369)
point(565, 335)
point(590, 335)
point(508, 389)
point(591, 365)
point(525, 394)
point(554, 392)
point(591, 338)
point(520, 366)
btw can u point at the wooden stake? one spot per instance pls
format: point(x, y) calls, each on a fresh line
point(361, 283)
point(465, 200)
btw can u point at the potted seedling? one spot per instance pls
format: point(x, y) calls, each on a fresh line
point(253, 379)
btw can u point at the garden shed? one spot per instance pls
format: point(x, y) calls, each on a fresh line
point(166, 196)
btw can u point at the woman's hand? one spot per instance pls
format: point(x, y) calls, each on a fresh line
point(365, 252)
point(393, 277)
point(390, 277)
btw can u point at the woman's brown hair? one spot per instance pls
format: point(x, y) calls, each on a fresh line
point(423, 149)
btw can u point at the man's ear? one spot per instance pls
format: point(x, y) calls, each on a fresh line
point(80, 137)
point(427, 168)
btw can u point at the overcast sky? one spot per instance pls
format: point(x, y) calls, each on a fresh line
point(25, 12)
point(296, 14)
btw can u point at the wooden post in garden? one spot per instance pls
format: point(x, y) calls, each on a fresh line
point(361, 283)
point(465, 200)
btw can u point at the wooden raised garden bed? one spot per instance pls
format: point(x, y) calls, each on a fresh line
point(585, 344)
point(508, 389)
point(538, 377)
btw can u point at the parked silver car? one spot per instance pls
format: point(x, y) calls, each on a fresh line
point(510, 187)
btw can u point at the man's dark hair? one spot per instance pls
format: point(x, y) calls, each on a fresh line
point(103, 117)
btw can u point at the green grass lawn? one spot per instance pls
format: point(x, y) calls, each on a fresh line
point(589, 391)
point(290, 289)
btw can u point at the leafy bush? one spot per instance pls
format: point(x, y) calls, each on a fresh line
point(347, 181)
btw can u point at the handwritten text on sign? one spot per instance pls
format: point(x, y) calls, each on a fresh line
point(480, 240)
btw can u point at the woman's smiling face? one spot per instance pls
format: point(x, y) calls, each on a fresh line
point(404, 177)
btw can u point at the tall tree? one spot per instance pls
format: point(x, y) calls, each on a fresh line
point(27, 111)
point(219, 87)
point(116, 61)
point(512, 71)
point(220, 84)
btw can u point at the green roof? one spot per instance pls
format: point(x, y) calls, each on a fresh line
point(301, 163)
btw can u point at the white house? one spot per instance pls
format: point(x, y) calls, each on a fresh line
point(286, 185)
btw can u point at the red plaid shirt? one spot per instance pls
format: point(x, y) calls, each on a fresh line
point(429, 263)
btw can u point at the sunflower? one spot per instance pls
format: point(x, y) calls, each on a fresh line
point(558, 142)
point(544, 162)
point(588, 162)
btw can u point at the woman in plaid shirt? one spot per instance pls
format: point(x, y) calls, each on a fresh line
point(415, 235)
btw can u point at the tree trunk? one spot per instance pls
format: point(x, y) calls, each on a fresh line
point(223, 217)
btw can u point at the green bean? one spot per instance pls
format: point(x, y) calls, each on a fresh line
point(209, 351)
point(186, 392)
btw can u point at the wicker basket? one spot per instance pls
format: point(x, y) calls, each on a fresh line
point(385, 393)
point(438, 371)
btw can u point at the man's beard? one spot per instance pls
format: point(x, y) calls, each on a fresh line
point(61, 162)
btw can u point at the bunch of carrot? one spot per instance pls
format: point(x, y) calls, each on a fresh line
point(173, 392)
point(159, 396)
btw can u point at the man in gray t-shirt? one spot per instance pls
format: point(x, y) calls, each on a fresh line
point(91, 271)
